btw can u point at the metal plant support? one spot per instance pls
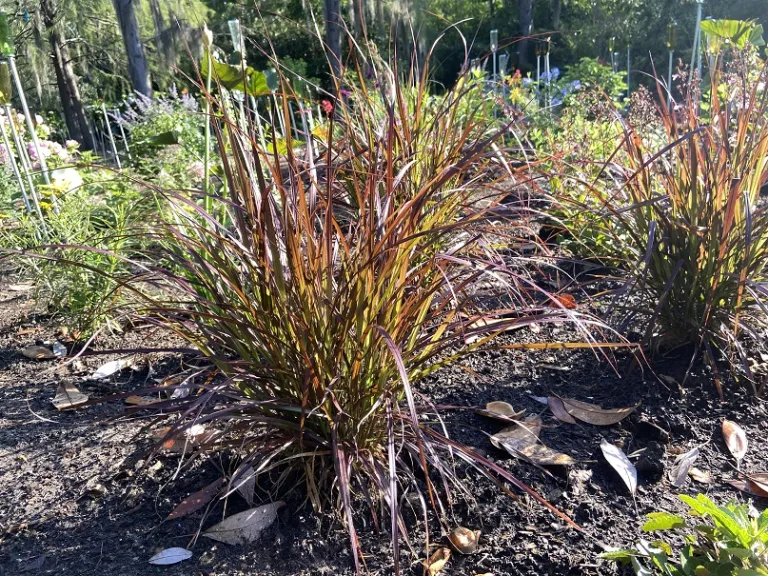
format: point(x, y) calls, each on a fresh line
point(111, 136)
point(671, 37)
point(30, 125)
point(494, 48)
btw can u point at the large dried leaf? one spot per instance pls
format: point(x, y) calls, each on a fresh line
point(681, 467)
point(735, 439)
point(68, 396)
point(522, 441)
point(592, 414)
point(749, 487)
point(35, 352)
point(195, 501)
point(245, 527)
point(435, 563)
point(170, 556)
point(501, 410)
point(558, 410)
point(759, 479)
point(619, 462)
point(701, 476)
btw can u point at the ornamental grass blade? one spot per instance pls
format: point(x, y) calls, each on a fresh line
point(170, 556)
point(245, 527)
point(68, 397)
point(682, 466)
point(194, 502)
point(736, 440)
point(595, 415)
point(558, 410)
point(619, 462)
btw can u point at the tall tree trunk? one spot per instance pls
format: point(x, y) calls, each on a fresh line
point(380, 27)
point(164, 38)
point(66, 80)
point(557, 10)
point(138, 69)
point(333, 34)
point(525, 17)
point(360, 31)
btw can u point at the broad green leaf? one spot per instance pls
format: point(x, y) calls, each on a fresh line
point(165, 138)
point(736, 32)
point(618, 555)
point(233, 77)
point(662, 521)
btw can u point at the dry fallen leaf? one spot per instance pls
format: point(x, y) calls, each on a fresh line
point(619, 462)
point(141, 400)
point(748, 487)
point(682, 465)
point(111, 368)
point(592, 414)
point(191, 438)
point(68, 396)
point(194, 502)
point(437, 561)
point(35, 352)
point(701, 476)
point(522, 441)
point(504, 409)
point(245, 527)
point(735, 439)
point(464, 540)
point(759, 479)
point(244, 480)
point(558, 410)
point(170, 556)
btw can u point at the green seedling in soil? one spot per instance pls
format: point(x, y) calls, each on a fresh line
point(731, 539)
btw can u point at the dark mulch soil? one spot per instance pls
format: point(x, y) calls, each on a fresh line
point(77, 498)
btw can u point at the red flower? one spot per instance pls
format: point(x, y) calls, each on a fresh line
point(327, 107)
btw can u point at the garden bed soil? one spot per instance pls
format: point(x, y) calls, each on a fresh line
point(77, 498)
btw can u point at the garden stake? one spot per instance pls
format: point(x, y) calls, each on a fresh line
point(494, 46)
point(671, 33)
point(255, 106)
point(30, 125)
point(110, 135)
point(122, 134)
point(15, 167)
point(697, 39)
point(21, 149)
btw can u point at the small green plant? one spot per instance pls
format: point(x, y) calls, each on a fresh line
point(77, 261)
point(727, 540)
